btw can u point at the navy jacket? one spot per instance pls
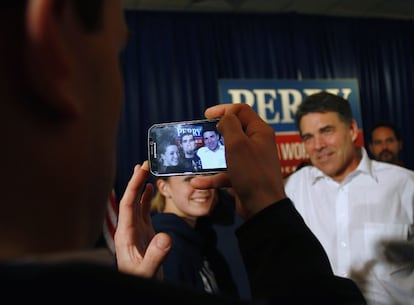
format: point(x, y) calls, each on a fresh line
point(194, 260)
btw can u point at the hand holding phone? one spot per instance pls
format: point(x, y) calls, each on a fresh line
point(253, 165)
point(186, 148)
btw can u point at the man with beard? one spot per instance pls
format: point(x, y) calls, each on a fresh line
point(385, 143)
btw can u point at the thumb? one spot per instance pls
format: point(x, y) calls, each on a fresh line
point(155, 254)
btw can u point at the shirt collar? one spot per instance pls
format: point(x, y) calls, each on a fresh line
point(364, 167)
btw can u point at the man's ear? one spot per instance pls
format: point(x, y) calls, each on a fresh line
point(370, 146)
point(48, 57)
point(354, 130)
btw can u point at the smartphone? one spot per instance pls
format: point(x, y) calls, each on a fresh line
point(186, 148)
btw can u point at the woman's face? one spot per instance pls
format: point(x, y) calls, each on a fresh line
point(171, 155)
point(184, 200)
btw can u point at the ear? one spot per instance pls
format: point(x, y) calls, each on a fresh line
point(163, 187)
point(354, 130)
point(48, 59)
point(370, 147)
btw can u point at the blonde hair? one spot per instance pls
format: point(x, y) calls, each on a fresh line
point(158, 202)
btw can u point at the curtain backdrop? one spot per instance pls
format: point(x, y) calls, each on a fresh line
point(174, 60)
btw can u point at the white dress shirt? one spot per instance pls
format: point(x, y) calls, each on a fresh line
point(212, 159)
point(374, 203)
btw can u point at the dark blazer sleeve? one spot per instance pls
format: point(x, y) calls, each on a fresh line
point(285, 261)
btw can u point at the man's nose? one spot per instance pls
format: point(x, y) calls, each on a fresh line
point(319, 142)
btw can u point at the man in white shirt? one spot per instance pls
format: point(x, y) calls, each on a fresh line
point(351, 203)
point(212, 154)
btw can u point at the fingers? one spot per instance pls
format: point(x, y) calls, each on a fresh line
point(146, 202)
point(127, 205)
point(137, 251)
point(156, 252)
point(240, 119)
point(245, 114)
point(237, 123)
point(218, 111)
point(124, 233)
point(212, 181)
point(253, 165)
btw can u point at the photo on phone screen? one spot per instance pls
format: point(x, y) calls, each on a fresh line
point(184, 148)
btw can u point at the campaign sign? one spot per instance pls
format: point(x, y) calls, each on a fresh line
point(195, 130)
point(276, 101)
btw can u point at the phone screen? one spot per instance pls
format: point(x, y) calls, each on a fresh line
point(184, 148)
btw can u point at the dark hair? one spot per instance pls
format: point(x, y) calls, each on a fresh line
point(386, 124)
point(186, 134)
point(210, 127)
point(163, 145)
point(324, 102)
point(162, 149)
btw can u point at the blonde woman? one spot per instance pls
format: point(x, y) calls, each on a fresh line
point(194, 261)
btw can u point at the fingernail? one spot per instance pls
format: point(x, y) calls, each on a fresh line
point(136, 168)
point(163, 242)
point(145, 165)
